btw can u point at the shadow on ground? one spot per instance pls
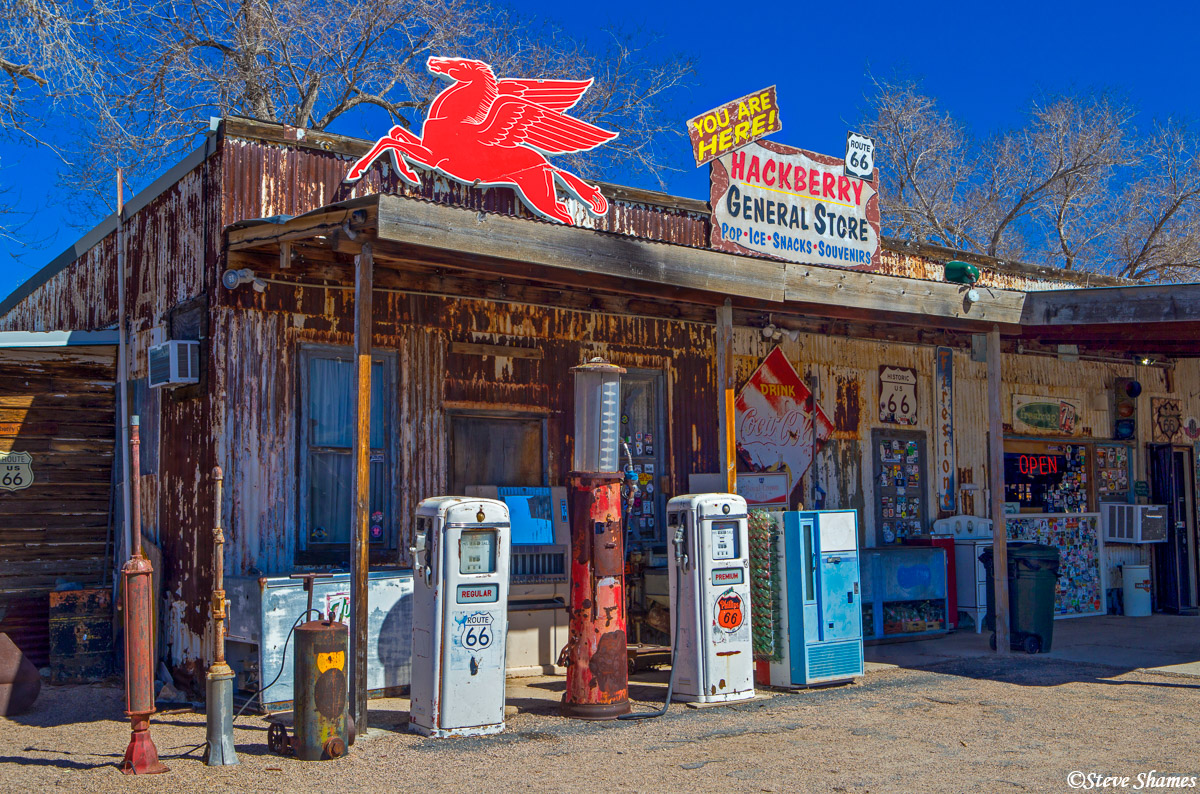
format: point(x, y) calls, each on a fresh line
point(1083, 649)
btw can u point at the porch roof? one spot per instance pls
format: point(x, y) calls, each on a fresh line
point(423, 246)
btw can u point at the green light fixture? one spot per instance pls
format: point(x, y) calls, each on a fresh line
point(959, 272)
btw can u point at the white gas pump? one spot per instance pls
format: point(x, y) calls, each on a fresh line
point(460, 616)
point(710, 598)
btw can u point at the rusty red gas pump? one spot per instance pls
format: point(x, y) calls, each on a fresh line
point(141, 756)
point(597, 649)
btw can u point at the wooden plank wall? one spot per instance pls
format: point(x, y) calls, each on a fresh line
point(58, 405)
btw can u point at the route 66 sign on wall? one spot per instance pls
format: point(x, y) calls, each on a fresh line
point(16, 471)
point(898, 395)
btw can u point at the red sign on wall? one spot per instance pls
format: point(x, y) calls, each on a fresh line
point(487, 132)
point(775, 421)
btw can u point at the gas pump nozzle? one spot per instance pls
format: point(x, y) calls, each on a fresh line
point(631, 477)
point(681, 557)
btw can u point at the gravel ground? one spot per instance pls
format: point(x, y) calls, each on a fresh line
point(968, 725)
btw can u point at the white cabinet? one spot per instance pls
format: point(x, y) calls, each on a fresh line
point(972, 535)
point(972, 579)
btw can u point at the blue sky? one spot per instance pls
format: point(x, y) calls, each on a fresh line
point(983, 62)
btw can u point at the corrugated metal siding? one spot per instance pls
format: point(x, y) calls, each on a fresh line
point(82, 297)
point(902, 263)
point(264, 179)
point(847, 371)
point(257, 418)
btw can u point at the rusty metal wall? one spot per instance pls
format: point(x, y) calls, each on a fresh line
point(847, 374)
point(898, 262)
point(260, 344)
point(270, 178)
point(171, 243)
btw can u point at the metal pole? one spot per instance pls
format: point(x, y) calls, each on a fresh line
point(363, 275)
point(726, 415)
point(219, 705)
point(996, 485)
point(141, 756)
point(123, 366)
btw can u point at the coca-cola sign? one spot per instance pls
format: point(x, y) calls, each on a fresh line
point(775, 421)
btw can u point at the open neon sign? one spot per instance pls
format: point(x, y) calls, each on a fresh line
point(1039, 465)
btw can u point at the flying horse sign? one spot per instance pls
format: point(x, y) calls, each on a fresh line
point(488, 132)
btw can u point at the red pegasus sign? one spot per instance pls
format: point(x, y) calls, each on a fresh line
point(490, 132)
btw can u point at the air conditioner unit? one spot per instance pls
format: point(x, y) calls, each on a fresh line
point(1134, 523)
point(174, 363)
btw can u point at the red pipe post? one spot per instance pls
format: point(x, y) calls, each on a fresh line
point(141, 756)
point(597, 651)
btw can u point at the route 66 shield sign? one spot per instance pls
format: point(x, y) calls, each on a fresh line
point(729, 610)
point(16, 471)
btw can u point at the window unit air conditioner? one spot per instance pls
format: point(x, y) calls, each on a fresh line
point(174, 363)
point(1135, 523)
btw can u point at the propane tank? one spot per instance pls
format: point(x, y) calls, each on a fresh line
point(320, 711)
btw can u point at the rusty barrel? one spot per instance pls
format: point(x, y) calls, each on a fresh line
point(321, 722)
point(597, 651)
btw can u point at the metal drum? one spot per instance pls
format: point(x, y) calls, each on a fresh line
point(321, 719)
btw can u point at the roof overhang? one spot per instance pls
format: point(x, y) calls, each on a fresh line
point(1149, 318)
point(14, 339)
point(407, 233)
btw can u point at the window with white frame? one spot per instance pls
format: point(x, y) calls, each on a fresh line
point(326, 450)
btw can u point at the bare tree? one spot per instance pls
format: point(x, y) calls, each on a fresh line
point(1160, 237)
point(46, 57)
point(47, 54)
point(926, 164)
point(1076, 186)
point(360, 66)
point(1069, 150)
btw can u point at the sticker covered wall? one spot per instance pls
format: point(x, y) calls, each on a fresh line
point(794, 205)
point(1077, 537)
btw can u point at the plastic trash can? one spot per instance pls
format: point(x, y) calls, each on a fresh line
point(1032, 583)
point(1135, 590)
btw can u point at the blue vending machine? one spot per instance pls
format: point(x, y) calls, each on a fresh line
point(820, 613)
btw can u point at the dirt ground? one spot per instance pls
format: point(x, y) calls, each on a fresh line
point(981, 724)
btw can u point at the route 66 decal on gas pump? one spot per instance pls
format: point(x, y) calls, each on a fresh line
point(472, 648)
point(729, 616)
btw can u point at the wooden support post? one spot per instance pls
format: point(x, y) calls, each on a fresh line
point(363, 276)
point(996, 486)
point(726, 417)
